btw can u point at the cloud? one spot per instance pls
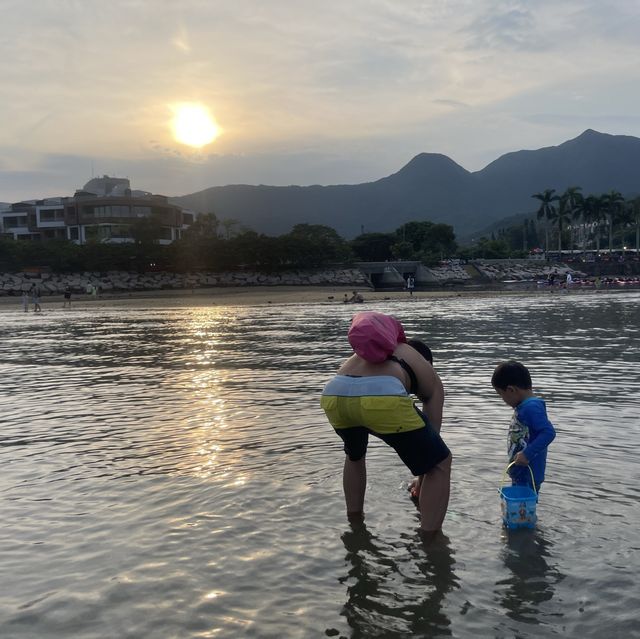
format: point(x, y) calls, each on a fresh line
point(331, 92)
point(451, 103)
point(510, 26)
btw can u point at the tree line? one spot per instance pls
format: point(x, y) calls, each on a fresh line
point(582, 222)
point(210, 244)
point(570, 220)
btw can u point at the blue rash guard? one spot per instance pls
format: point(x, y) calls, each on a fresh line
point(530, 432)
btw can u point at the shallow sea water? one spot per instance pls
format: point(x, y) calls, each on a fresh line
point(169, 473)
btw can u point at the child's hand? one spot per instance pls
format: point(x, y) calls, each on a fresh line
point(521, 460)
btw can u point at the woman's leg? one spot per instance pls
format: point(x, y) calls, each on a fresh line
point(354, 477)
point(434, 496)
point(354, 482)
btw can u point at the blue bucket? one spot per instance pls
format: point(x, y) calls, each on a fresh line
point(518, 504)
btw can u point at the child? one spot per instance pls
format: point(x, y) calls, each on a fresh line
point(530, 432)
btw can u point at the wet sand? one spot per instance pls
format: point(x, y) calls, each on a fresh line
point(232, 296)
point(257, 296)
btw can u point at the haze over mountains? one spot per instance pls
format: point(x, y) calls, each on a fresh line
point(433, 187)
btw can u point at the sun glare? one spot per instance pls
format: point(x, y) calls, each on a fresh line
point(193, 125)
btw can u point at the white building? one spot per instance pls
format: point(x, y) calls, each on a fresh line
point(105, 210)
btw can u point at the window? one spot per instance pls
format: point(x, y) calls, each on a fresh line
point(15, 222)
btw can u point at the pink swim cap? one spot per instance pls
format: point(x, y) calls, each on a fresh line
point(374, 336)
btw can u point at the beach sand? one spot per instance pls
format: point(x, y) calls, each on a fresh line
point(232, 296)
point(256, 296)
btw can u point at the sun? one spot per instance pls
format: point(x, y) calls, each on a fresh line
point(193, 125)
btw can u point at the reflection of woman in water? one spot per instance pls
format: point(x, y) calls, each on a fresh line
point(395, 591)
point(532, 580)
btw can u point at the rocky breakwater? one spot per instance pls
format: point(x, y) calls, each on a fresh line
point(447, 273)
point(122, 281)
point(507, 271)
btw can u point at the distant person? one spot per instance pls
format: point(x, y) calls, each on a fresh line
point(370, 394)
point(356, 298)
point(411, 282)
point(530, 432)
point(34, 293)
point(345, 300)
point(67, 297)
point(568, 281)
point(25, 301)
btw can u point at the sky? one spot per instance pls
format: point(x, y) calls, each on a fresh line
point(303, 92)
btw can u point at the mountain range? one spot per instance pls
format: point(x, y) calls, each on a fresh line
point(433, 187)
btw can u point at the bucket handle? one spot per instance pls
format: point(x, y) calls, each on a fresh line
point(506, 470)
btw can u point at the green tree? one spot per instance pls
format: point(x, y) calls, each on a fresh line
point(205, 226)
point(429, 241)
point(313, 246)
point(593, 216)
point(561, 215)
point(613, 206)
point(146, 230)
point(403, 251)
point(634, 206)
point(230, 226)
point(574, 203)
point(546, 211)
point(492, 249)
point(373, 247)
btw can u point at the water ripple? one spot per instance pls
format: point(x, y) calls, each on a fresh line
point(169, 473)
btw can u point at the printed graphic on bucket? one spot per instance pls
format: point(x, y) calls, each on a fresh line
point(518, 504)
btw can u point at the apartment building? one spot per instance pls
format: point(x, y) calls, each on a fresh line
point(104, 210)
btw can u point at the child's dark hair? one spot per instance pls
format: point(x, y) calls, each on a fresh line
point(511, 373)
point(422, 348)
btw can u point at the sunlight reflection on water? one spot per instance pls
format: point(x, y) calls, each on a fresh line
point(168, 472)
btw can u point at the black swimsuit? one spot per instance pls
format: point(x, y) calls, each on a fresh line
point(413, 387)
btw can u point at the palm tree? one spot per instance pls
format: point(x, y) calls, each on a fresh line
point(546, 211)
point(635, 215)
point(614, 203)
point(593, 211)
point(574, 205)
point(561, 215)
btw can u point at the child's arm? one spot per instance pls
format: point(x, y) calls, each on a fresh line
point(541, 432)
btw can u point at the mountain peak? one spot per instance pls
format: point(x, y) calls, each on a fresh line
point(592, 133)
point(424, 163)
point(433, 187)
point(595, 139)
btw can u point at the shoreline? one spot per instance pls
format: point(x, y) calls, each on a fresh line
point(259, 296)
